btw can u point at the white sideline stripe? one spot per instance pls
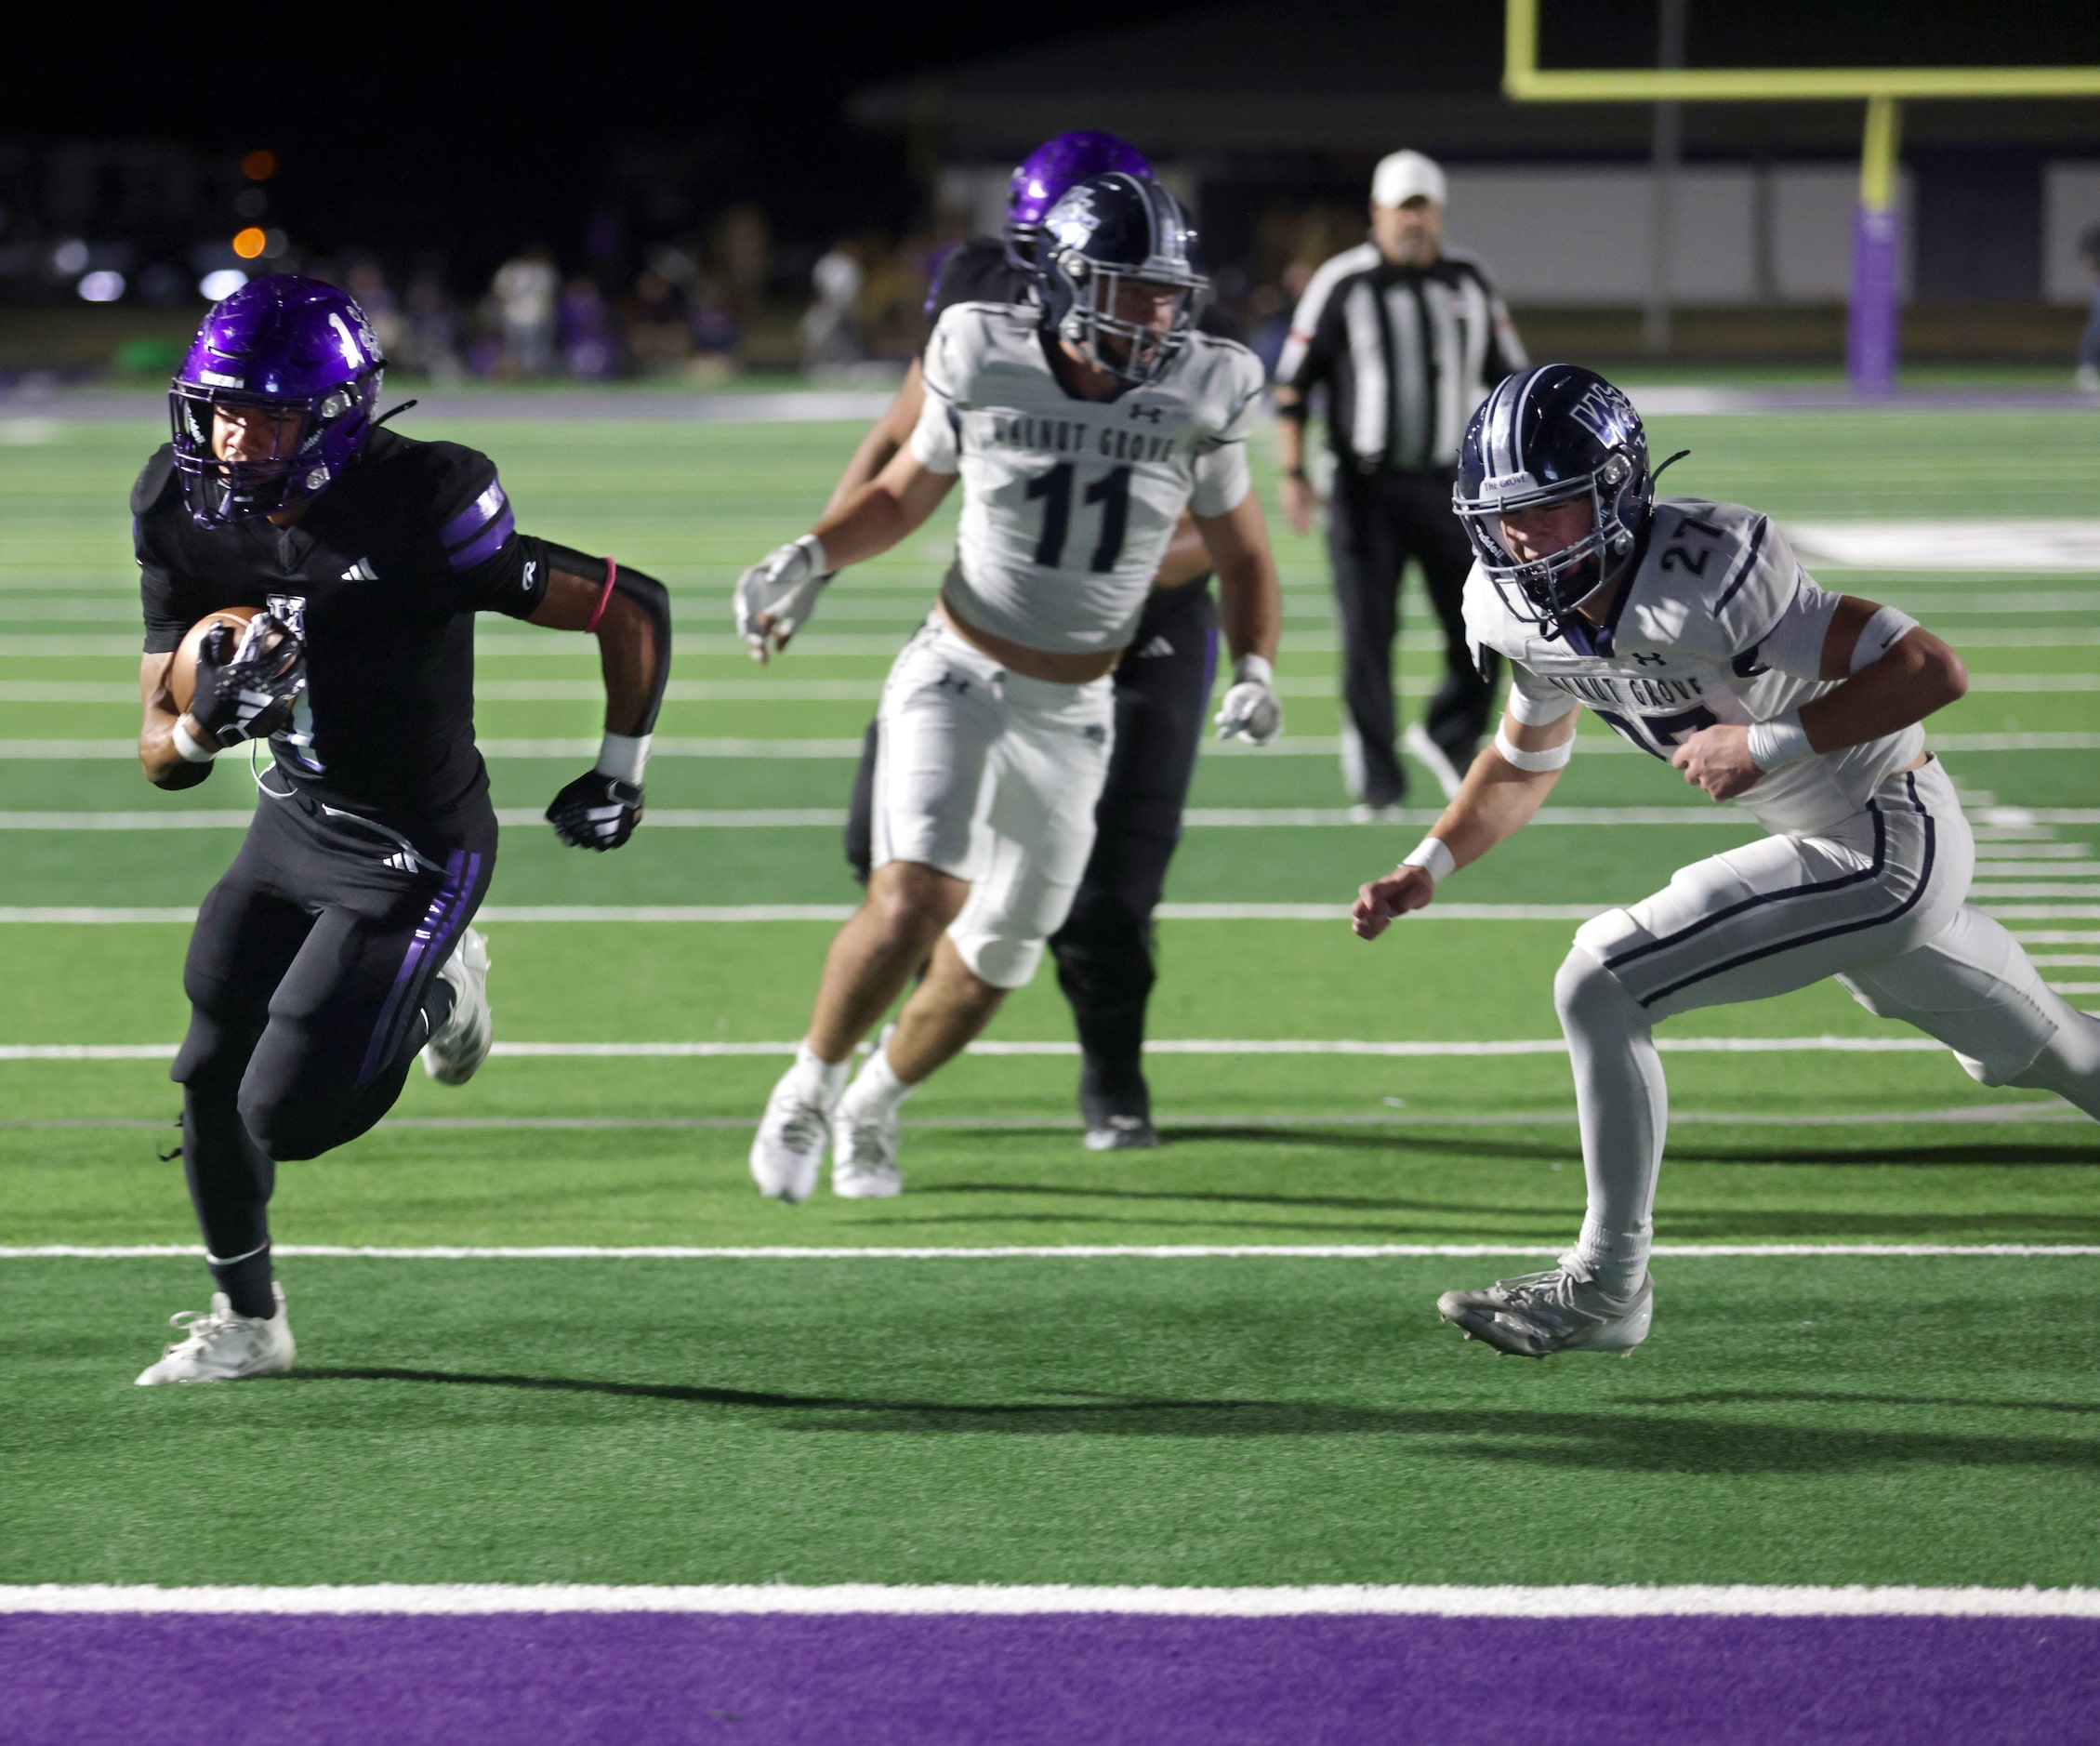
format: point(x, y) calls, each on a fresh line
point(1163, 1046)
point(1073, 1252)
point(84, 915)
point(2032, 545)
point(1572, 1601)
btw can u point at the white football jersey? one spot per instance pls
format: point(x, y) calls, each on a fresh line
point(1718, 623)
point(1068, 504)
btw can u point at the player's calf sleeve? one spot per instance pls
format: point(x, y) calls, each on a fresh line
point(230, 1178)
point(1624, 1109)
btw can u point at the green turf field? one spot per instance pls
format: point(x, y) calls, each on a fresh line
point(1817, 1418)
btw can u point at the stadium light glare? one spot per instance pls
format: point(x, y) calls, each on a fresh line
point(223, 284)
point(259, 166)
point(71, 256)
point(1871, 340)
point(100, 287)
point(249, 242)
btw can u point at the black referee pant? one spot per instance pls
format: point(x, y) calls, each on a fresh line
point(1376, 521)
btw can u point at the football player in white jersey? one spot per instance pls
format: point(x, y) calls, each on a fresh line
point(1081, 429)
point(1690, 630)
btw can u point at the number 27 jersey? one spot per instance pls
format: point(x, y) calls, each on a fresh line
point(1718, 623)
point(1069, 504)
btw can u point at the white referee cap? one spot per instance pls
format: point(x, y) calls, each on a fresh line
point(1402, 175)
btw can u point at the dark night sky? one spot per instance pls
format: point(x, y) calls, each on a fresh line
point(436, 125)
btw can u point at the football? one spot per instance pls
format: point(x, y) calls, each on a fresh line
point(182, 671)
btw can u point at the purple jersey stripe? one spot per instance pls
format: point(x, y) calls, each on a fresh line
point(430, 945)
point(492, 537)
point(474, 517)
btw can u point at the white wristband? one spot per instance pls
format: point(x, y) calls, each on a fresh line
point(1434, 858)
point(621, 755)
point(1552, 758)
point(1780, 742)
point(814, 547)
point(1254, 669)
point(193, 751)
point(1880, 634)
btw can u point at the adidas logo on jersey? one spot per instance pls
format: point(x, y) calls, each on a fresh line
point(361, 571)
point(400, 861)
point(1155, 650)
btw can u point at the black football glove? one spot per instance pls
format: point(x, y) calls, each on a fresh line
point(595, 812)
point(247, 686)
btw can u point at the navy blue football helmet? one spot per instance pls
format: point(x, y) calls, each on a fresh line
point(1554, 434)
point(1101, 234)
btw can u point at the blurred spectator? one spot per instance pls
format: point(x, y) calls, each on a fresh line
point(368, 283)
point(831, 333)
point(429, 344)
point(524, 289)
point(742, 250)
point(659, 332)
point(1269, 313)
point(2089, 342)
point(590, 337)
point(716, 334)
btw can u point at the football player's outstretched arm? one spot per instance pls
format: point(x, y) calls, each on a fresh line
point(1891, 672)
point(775, 596)
point(1250, 611)
point(630, 615)
point(885, 437)
point(1496, 800)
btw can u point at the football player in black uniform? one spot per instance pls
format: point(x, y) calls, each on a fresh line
point(337, 947)
point(1105, 950)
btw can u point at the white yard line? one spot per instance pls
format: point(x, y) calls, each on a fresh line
point(1071, 1251)
point(1414, 1050)
point(1570, 1601)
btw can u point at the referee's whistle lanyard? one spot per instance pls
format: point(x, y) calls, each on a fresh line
point(311, 807)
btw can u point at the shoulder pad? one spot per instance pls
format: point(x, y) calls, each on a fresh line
point(1747, 581)
point(971, 335)
point(976, 272)
point(153, 479)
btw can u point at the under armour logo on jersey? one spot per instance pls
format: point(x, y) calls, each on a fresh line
point(1648, 660)
point(1156, 649)
point(361, 571)
point(953, 682)
point(1095, 733)
point(1154, 413)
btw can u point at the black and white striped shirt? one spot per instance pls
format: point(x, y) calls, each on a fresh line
point(1407, 353)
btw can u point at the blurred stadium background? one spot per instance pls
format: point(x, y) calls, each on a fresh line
point(598, 258)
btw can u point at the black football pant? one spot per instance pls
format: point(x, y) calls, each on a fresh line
point(1105, 950)
point(310, 979)
point(1376, 521)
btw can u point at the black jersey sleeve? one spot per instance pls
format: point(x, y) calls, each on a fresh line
point(489, 566)
point(168, 606)
point(976, 272)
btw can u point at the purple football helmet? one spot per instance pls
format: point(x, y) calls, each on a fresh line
point(294, 348)
point(1040, 180)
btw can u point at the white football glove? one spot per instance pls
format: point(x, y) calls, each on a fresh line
point(775, 596)
point(1252, 711)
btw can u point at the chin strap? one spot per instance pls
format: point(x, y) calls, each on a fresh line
point(395, 412)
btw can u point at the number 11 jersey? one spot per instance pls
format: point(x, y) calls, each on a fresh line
point(1069, 504)
point(1716, 623)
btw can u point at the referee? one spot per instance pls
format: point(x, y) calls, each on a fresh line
point(1408, 337)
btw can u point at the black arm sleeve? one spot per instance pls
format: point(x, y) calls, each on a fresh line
point(645, 592)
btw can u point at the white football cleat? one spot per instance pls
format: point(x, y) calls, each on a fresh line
point(1432, 758)
point(459, 1047)
point(1561, 1310)
point(864, 1154)
point(788, 1151)
point(218, 1346)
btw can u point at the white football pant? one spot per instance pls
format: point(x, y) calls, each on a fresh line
point(992, 778)
point(1878, 902)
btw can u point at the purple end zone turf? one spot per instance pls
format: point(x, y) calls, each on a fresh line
point(542, 1679)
